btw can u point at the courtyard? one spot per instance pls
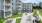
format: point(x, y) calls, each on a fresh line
point(22, 18)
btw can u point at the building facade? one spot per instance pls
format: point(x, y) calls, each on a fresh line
point(6, 8)
point(26, 7)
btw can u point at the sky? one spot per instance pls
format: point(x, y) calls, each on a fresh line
point(31, 1)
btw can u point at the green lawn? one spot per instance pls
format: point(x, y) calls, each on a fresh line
point(40, 13)
point(40, 21)
point(18, 20)
point(17, 15)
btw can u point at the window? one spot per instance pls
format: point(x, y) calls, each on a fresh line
point(12, 7)
point(27, 8)
point(19, 1)
point(23, 8)
point(18, 7)
point(12, 0)
point(12, 3)
point(6, 7)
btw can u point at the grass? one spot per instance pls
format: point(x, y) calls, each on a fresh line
point(18, 20)
point(17, 15)
point(40, 21)
point(40, 13)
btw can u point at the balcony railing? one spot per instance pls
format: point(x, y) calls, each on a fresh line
point(8, 6)
point(8, 12)
point(18, 1)
point(8, 0)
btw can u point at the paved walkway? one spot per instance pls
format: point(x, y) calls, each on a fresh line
point(14, 20)
point(24, 18)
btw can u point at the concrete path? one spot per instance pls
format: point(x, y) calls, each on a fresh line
point(14, 20)
point(25, 19)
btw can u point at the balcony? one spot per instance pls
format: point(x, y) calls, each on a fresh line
point(8, 0)
point(7, 5)
point(18, 1)
point(8, 12)
point(23, 9)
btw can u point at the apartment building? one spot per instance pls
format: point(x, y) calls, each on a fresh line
point(6, 8)
point(9, 7)
point(26, 7)
point(17, 6)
